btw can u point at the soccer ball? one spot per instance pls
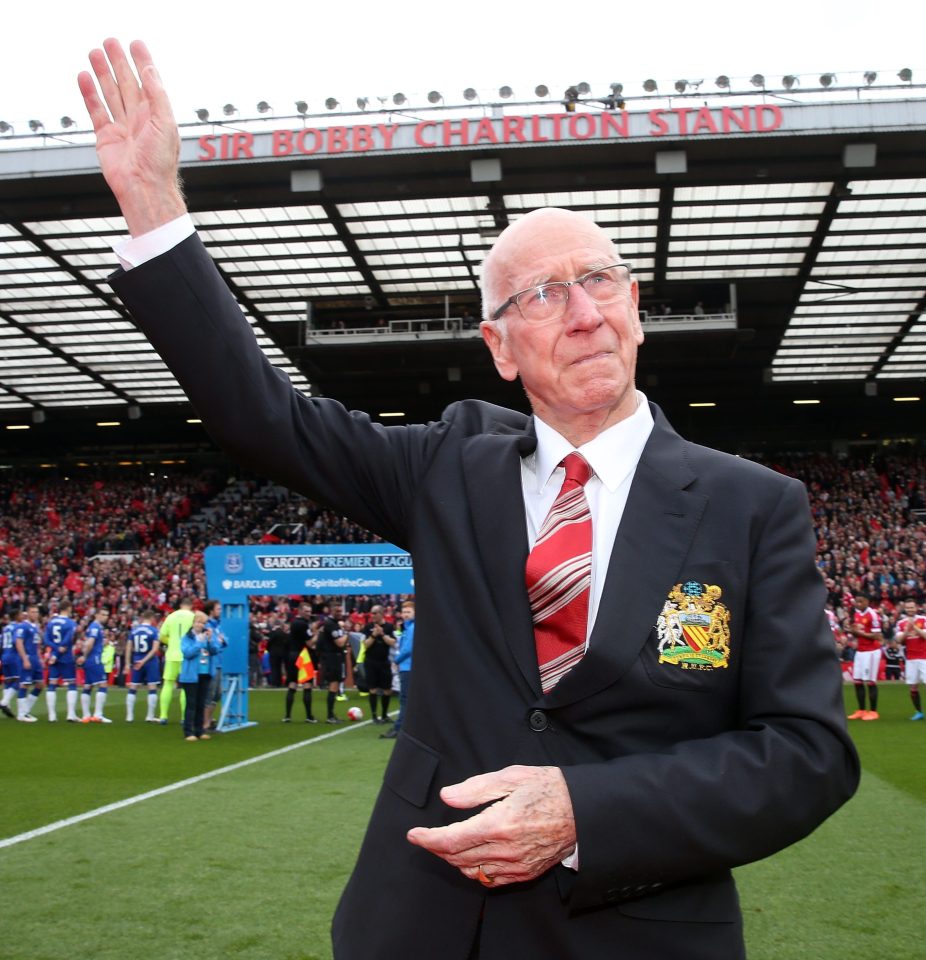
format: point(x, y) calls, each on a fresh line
point(354, 713)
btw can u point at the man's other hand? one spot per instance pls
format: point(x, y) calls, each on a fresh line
point(528, 829)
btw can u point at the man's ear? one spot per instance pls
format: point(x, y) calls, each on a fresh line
point(635, 323)
point(497, 343)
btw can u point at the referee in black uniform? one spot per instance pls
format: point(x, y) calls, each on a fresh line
point(379, 641)
point(329, 646)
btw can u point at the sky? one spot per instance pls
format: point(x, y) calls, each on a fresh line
point(212, 53)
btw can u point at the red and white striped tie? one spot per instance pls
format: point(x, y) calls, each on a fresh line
point(559, 576)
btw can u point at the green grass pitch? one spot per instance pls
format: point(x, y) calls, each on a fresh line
point(249, 864)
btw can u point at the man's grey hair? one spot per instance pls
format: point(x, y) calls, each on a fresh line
point(492, 294)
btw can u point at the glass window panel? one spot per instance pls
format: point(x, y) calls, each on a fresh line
point(693, 262)
point(873, 224)
point(863, 241)
point(914, 185)
point(18, 246)
point(828, 374)
point(390, 208)
point(871, 207)
point(425, 286)
point(584, 198)
point(262, 215)
point(738, 243)
point(79, 225)
point(748, 212)
point(860, 351)
point(26, 263)
point(851, 271)
point(752, 191)
point(740, 228)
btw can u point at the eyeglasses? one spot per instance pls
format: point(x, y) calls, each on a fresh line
point(547, 301)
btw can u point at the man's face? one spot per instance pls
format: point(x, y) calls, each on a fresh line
point(861, 602)
point(408, 613)
point(583, 363)
point(909, 608)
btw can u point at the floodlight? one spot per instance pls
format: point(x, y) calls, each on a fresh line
point(229, 109)
point(541, 90)
point(302, 107)
point(583, 88)
point(469, 94)
point(906, 75)
point(36, 125)
point(363, 103)
point(331, 103)
point(505, 92)
point(66, 122)
point(649, 85)
point(826, 79)
point(202, 114)
point(870, 77)
point(757, 80)
point(434, 97)
point(617, 89)
point(723, 81)
point(681, 85)
point(398, 99)
point(264, 107)
point(6, 127)
point(789, 80)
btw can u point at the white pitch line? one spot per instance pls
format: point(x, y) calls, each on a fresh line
point(160, 791)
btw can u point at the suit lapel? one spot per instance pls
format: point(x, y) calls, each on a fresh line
point(492, 473)
point(654, 537)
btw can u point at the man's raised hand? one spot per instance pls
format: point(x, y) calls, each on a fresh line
point(137, 140)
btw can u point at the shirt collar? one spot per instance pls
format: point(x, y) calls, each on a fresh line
point(613, 454)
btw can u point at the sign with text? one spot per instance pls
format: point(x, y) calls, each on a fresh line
point(235, 572)
point(334, 140)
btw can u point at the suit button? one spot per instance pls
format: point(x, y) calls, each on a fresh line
point(538, 721)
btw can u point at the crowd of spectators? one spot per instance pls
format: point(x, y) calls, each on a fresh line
point(125, 543)
point(870, 519)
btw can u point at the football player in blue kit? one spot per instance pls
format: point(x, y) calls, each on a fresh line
point(91, 659)
point(26, 638)
point(11, 666)
point(59, 643)
point(143, 665)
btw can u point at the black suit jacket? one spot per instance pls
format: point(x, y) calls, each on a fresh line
point(676, 775)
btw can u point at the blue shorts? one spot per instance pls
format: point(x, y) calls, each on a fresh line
point(94, 672)
point(149, 673)
point(33, 674)
point(12, 665)
point(62, 673)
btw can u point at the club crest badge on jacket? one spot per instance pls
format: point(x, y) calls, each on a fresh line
point(693, 629)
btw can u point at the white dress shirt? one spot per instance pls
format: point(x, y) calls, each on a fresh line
point(134, 251)
point(613, 456)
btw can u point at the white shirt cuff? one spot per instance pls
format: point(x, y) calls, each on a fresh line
point(134, 251)
point(572, 861)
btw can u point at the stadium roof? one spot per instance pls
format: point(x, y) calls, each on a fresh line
point(353, 244)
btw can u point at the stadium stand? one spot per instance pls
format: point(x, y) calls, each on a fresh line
point(125, 543)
